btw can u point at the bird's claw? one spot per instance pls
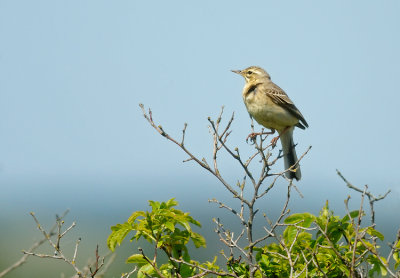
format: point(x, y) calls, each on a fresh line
point(273, 141)
point(252, 136)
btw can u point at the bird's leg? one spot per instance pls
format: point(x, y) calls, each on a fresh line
point(254, 134)
point(275, 139)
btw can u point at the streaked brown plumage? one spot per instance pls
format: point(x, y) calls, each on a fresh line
point(271, 107)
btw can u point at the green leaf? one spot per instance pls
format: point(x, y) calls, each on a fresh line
point(324, 257)
point(137, 259)
point(382, 267)
point(324, 213)
point(396, 265)
point(264, 259)
point(154, 205)
point(335, 236)
point(198, 240)
point(301, 219)
point(193, 221)
point(348, 255)
point(374, 232)
point(170, 226)
point(135, 215)
point(396, 256)
point(383, 270)
point(186, 271)
point(377, 266)
point(289, 234)
point(304, 237)
point(353, 214)
point(148, 269)
point(344, 269)
point(186, 225)
point(186, 256)
point(119, 232)
point(160, 243)
point(171, 203)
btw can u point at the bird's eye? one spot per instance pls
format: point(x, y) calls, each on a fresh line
point(249, 73)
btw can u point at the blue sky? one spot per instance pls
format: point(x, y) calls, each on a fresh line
point(72, 74)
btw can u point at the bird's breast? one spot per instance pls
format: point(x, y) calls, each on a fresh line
point(267, 113)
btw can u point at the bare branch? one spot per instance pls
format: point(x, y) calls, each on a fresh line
point(23, 259)
point(97, 264)
point(222, 205)
point(56, 248)
point(203, 163)
point(183, 134)
point(127, 275)
point(372, 199)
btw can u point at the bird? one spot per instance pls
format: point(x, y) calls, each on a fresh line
point(271, 107)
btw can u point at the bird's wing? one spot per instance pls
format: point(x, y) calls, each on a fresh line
point(281, 98)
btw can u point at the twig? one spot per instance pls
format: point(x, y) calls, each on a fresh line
point(107, 265)
point(227, 238)
point(60, 253)
point(127, 275)
point(23, 259)
point(76, 250)
point(202, 162)
point(44, 255)
point(222, 205)
point(97, 265)
point(372, 199)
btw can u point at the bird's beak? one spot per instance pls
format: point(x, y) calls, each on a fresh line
point(237, 71)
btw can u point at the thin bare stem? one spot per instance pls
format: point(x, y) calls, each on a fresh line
point(127, 275)
point(54, 245)
point(371, 197)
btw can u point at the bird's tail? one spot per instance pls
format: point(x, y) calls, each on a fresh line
point(289, 154)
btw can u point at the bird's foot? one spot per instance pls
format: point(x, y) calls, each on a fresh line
point(252, 136)
point(273, 141)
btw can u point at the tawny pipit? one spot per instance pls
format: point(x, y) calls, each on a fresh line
point(270, 106)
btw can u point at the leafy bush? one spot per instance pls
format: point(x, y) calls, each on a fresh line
point(310, 246)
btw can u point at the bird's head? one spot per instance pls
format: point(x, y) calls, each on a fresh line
point(253, 73)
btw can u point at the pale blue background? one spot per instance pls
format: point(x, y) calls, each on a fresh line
point(73, 72)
